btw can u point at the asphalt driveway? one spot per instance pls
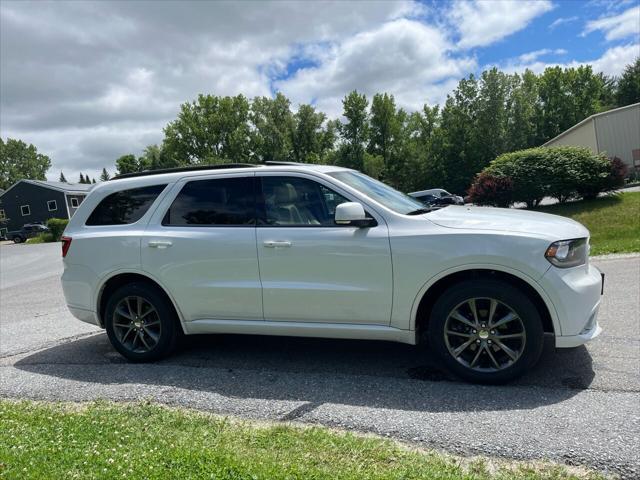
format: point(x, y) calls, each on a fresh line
point(579, 406)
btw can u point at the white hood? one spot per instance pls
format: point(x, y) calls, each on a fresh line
point(508, 220)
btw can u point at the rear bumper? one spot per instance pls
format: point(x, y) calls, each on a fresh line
point(84, 315)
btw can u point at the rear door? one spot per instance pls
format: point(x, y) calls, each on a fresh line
point(201, 245)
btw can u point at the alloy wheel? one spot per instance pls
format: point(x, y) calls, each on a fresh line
point(136, 324)
point(484, 334)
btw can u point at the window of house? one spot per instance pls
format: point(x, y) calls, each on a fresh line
point(25, 210)
point(3, 216)
point(52, 205)
point(124, 207)
point(74, 202)
point(222, 201)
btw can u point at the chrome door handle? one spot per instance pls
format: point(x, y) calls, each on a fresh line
point(160, 243)
point(276, 244)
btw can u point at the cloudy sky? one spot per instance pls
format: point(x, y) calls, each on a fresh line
point(87, 82)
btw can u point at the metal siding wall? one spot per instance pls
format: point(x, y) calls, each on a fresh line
point(619, 134)
point(583, 136)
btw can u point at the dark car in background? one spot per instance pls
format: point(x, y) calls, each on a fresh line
point(437, 198)
point(28, 230)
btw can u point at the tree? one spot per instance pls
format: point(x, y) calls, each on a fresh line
point(385, 126)
point(628, 90)
point(308, 136)
point(93, 180)
point(81, 178)
point(21, 161)
point(127, 164)
point(354, 131)
point(62, 178)
point(211, 129)
point(105, 175)
point(271, 135)
point(523, 109)
point(154, 157)
point(457, 157)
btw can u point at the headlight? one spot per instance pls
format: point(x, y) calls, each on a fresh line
point(568, 253)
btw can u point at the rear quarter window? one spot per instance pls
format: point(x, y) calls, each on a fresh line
point(124, 207)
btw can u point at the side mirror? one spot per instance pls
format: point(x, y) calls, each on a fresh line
point(352, 213)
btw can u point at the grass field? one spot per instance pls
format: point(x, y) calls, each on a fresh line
point(614, 221)
point(136, 441)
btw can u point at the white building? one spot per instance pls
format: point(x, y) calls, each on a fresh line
point(615, 133)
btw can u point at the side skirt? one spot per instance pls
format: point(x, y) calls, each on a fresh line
point(301, 329)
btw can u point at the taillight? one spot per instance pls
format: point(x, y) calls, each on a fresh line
point(66, 243)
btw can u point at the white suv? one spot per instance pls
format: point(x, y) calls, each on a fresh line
point(322, 251)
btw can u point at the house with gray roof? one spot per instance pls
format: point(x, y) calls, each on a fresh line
point(36, 201)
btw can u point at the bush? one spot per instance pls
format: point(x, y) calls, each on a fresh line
point(487, 189)
point(558, 172)
point(57, 226)
point(42, 238)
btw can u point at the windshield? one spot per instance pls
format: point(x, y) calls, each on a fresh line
point(378, 191)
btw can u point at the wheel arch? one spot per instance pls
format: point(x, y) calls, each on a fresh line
point(432, 290)
point(119, 278)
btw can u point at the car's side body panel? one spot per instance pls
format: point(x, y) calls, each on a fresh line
point(331, 281)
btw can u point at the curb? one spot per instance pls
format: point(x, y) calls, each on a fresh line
point(615, 256)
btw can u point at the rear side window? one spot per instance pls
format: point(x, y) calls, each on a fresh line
point(223, 201)
point(127, 206)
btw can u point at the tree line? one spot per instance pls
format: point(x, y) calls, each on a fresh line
point(437, 146)
point(446, 146)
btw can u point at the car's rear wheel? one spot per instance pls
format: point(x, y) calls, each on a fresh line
point(17, 239)
point(486, 332)
point(141, 323)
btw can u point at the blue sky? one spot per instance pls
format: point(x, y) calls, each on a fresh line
point(87, 82)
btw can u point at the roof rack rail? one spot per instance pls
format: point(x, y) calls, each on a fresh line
point(273, 162)
point(192, 168)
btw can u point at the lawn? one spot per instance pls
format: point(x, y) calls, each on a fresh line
point(614, 221)
point(144, 440)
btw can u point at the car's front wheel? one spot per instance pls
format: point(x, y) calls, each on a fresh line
point(486, 331)
point(141, 323)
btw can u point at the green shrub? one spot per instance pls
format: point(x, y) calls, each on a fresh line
point(42, 238)
point(57, 226)
point(559, 172)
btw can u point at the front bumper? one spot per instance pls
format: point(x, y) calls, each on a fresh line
point(575, 293)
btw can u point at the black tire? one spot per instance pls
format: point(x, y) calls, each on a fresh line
point(168, 326)
point(17, 239)
point(529, 346)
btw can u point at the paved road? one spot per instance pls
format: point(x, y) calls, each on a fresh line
point(579, 406)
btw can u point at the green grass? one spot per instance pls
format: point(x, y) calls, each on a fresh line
point(143, 440)
point(614, 221)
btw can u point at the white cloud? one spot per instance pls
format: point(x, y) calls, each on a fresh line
point(403, 57)
point(562, 21)
point(531, 56)
point(611, 62)
point(482, 22)
point(87, 82)
point(617, 27)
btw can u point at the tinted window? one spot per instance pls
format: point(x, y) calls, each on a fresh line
point(127, 206)
point(224, 201)
point(298, 201)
